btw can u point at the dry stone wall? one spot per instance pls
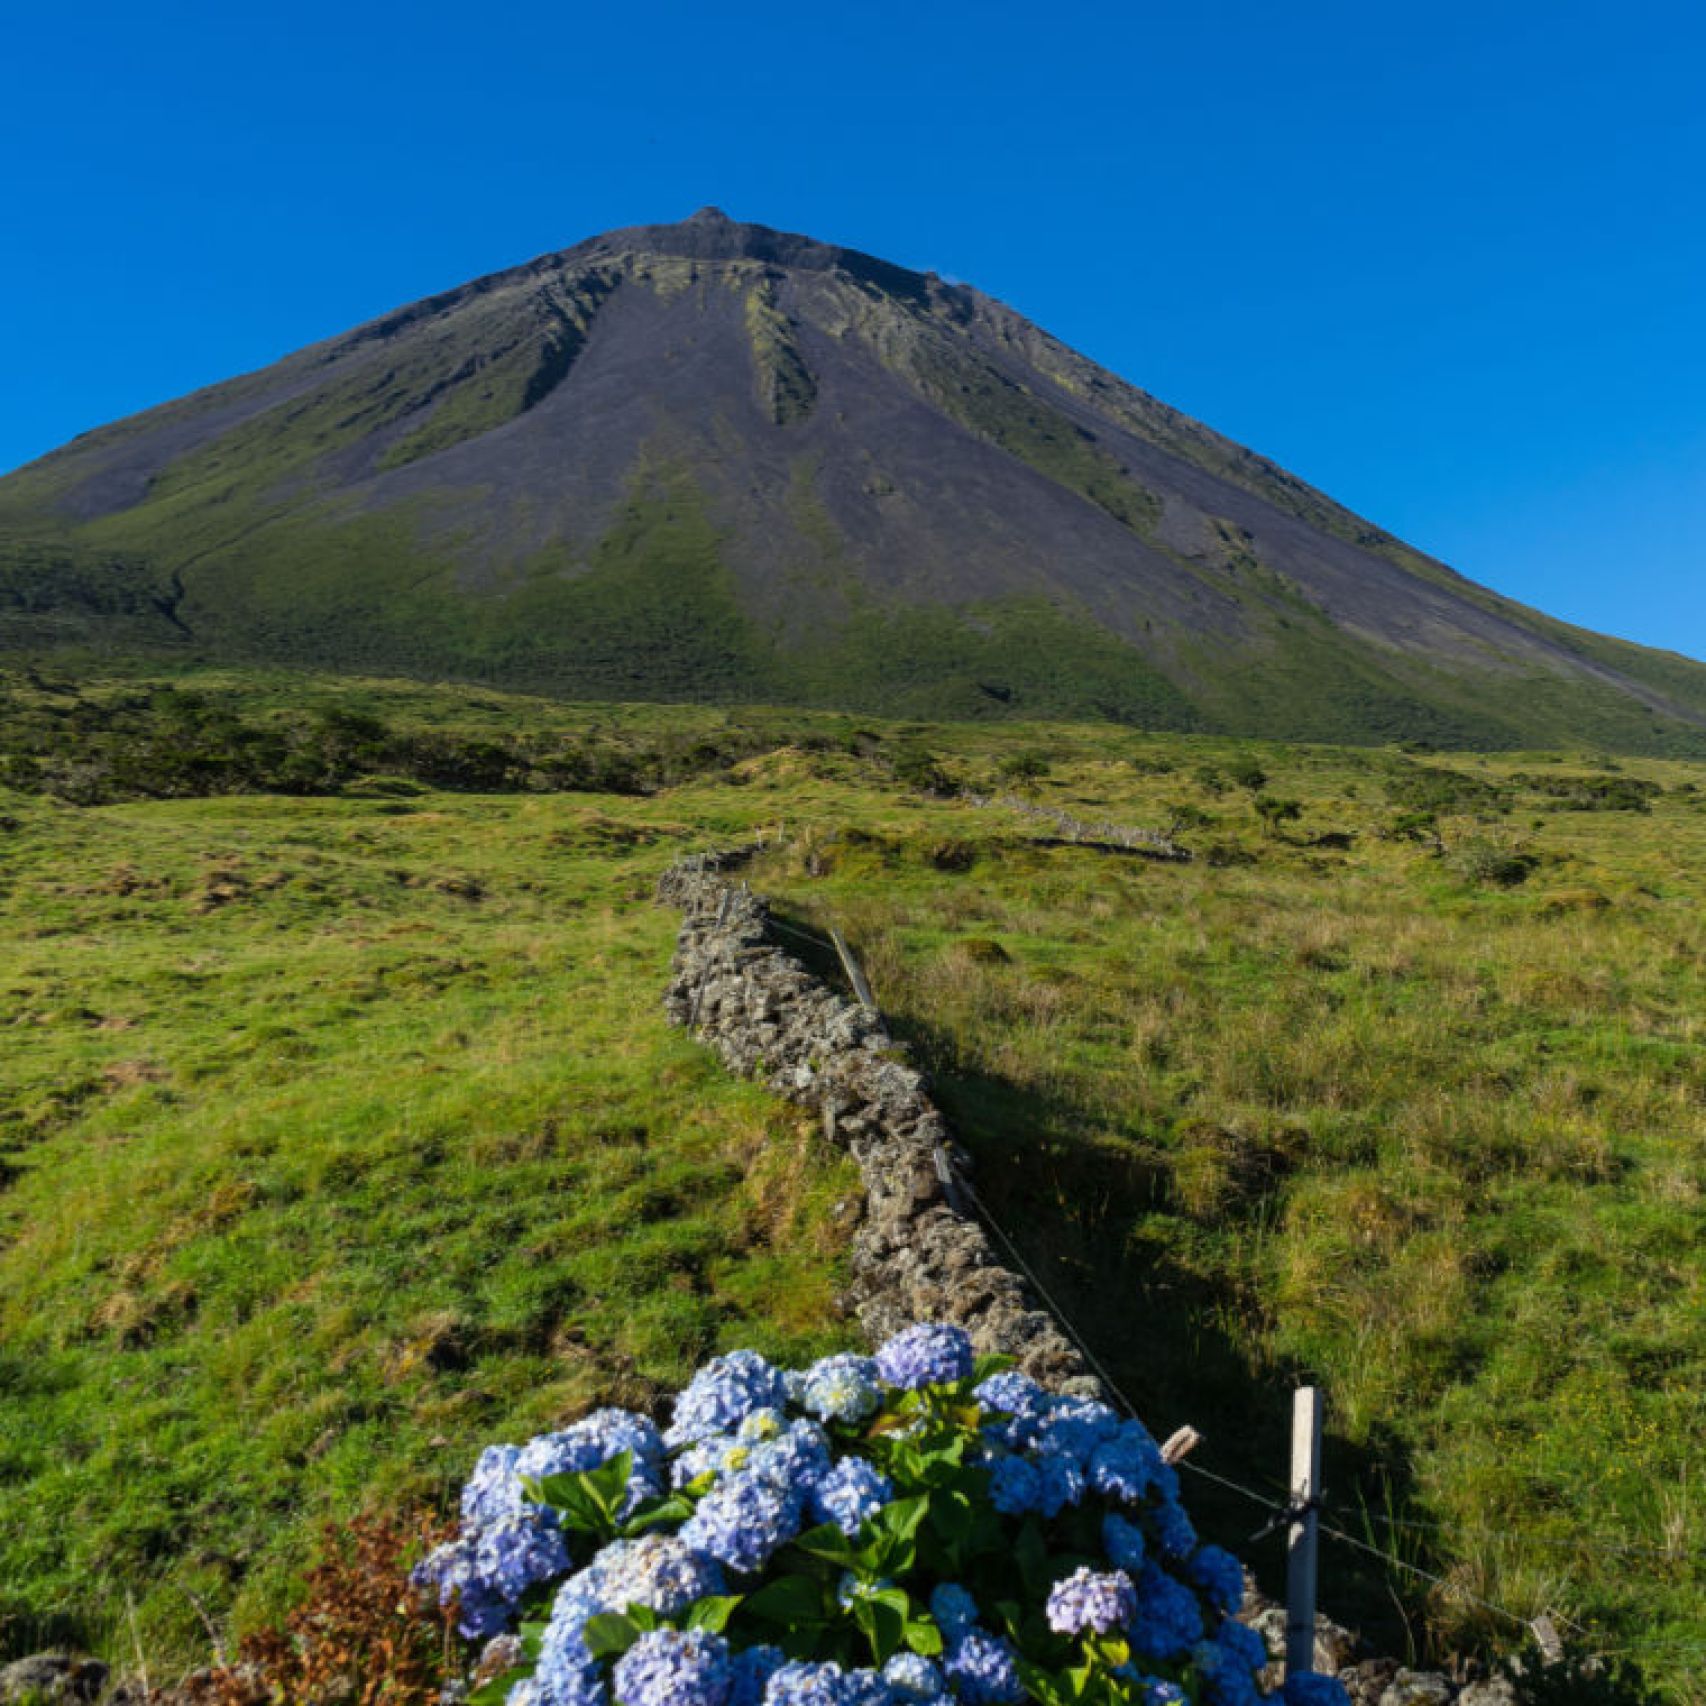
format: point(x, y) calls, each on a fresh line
point(1151, 843)
point(915, 1255)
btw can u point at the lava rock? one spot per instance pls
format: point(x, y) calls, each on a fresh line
point(62, 1678)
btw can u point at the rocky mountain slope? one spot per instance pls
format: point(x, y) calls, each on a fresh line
point(715, 461)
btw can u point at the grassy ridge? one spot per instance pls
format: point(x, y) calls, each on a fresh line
point(342, 1135)
point(653, 609)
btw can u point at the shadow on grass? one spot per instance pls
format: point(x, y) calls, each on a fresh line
point(1094, 1222)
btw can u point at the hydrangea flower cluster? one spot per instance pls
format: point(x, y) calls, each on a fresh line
point(981, 1670)
point(509, 1543)
point(842, 1389)
point(723, 1394)
point(1088, 1599)
point(912, 1677)
point(743, 1519)
point(784, 1542)
point(1228, 1663)
point(849, 1494)
point(925, 1355)
point(674, 1667)
point(662, 1572)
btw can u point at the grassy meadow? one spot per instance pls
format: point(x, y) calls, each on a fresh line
point(339, 1137)
point(1409, 1103)
point(341, 1133)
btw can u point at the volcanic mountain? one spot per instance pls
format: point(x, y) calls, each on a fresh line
point(715, 461)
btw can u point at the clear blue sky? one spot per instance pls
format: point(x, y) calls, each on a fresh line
point(1444, 260)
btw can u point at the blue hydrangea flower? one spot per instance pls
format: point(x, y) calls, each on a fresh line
point(1073, 1428)
point(1175, 1534)
point(674, 1667)
point(1311, 1688)
point(1225, 1682)
point(865, 1687)
point(1123, 1542)
point(796, 1458)
point(570, 1612)
point(1169, 1620)
point(1060, 1482)
point(709, 1456)
point(1012, 1393)
point(742, 1520)
point(1015, 1485)
point(841, 1389)
point(912, 1677)
point(1014, 1405)
point(1244, 1644)
point(565, 1452)
point(1089, 1601)
point(723, 1394)
point(560, 1685)
point(567, 1674)
point(494, 1489)
point(925, 1355)
point(981, 1669)
point(800, 1684)
point(598, 1437)
point(488, 1567)
point(662, 1572)
point(793, 1456)
point(1123, 1466)
point(1218, 1576)
point(953, 1608)
point(751, 1669)
point(850, 1494)
point(516, 1552)
point(452, 1572)
point(761, 1425)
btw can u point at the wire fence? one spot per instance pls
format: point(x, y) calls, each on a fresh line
point(1275, 1508)
point(1671, 1648)
point(1278, 1509)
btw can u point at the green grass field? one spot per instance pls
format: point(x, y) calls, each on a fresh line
point(342, 1134)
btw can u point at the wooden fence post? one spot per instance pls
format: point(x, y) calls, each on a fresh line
point(1180, 1444)
point(851, 966)
point(1546, 1635)
point(1302, 1540)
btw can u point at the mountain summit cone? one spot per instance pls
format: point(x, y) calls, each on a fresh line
point(715, 461)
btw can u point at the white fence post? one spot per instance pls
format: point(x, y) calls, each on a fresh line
point(1302, 1540)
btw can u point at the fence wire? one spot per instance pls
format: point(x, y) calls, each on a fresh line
point(1680, 1647)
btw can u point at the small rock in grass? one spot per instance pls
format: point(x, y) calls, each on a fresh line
point(59, 1678)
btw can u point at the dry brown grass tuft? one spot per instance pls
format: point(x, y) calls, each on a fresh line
point(364, 1636)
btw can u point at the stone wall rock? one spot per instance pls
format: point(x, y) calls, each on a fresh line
point(1151, 843)
point(915, 1256)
